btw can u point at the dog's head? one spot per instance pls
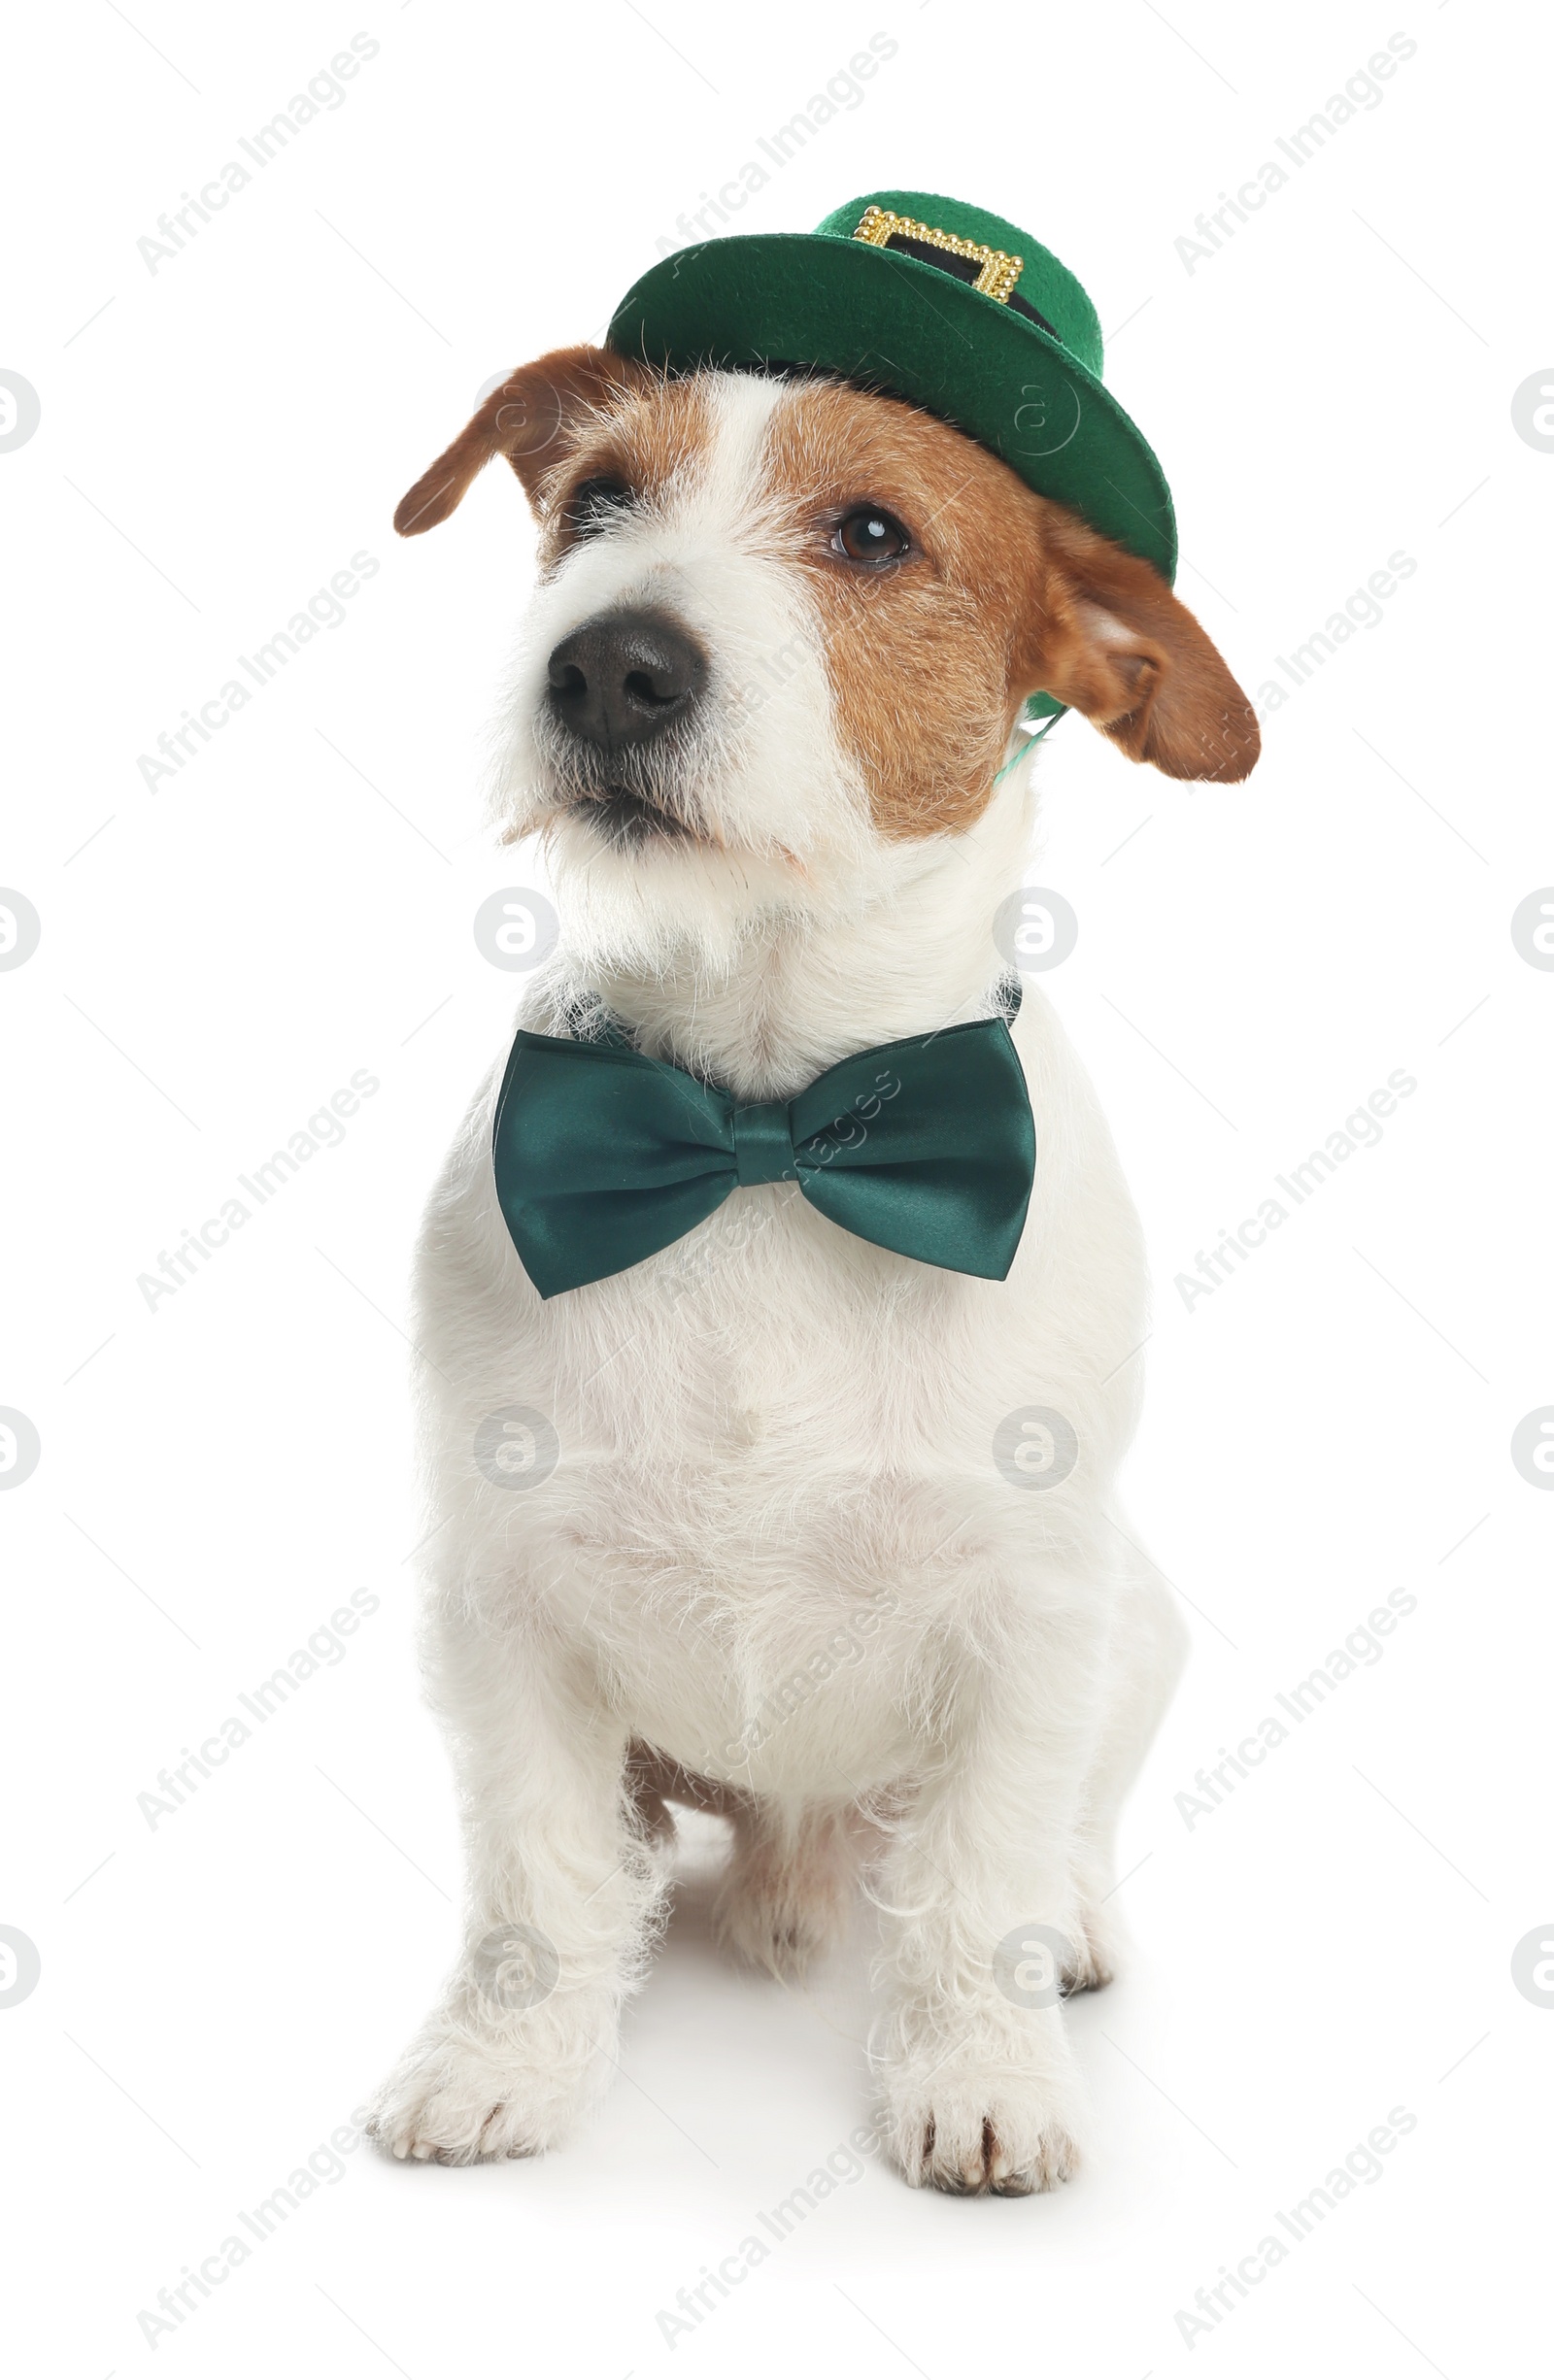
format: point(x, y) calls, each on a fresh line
point(785, 627)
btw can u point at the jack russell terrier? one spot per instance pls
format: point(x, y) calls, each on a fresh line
point(777, 1297)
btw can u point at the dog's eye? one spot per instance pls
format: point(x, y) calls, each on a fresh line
point(594, 502)
point(870, 535)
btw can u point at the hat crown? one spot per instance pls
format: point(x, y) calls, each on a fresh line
point(928, 308)
point(1044, 282)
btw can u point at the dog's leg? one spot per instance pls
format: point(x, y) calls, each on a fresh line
point(561, 1893)
point(982, 2089)
point(1147, 1654)
point(788, 1886)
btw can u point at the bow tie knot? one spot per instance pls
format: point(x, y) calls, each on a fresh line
point(764, 1143)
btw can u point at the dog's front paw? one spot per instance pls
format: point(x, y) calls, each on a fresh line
point(986, 2118)
point(997, 2134)
point(460, 2098)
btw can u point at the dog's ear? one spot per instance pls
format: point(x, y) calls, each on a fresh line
point(525, 420)
point(1111, 640)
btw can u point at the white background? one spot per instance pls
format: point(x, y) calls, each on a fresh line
point(218, 438)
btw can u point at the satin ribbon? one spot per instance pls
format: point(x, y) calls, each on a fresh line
point(603, 1156)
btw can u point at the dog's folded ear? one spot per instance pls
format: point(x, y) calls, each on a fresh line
point(526, 420)
point(1111, 640)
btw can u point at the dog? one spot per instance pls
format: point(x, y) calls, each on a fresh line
point(763, 715)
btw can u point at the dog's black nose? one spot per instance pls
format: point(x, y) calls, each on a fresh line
point(625, 676)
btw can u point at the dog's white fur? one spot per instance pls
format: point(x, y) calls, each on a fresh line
point(774, 1432)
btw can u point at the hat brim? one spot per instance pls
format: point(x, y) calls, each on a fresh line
point(886, 321)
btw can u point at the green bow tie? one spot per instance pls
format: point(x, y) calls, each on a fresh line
point(603, 1156)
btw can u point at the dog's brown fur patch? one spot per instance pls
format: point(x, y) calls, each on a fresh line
point(648, 437)
point(579, 414)
point(1003, 594)
point(1109, 636)
point(531, 420)
point(920, 652)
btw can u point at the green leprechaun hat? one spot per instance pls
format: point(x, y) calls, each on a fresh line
point(926, 298)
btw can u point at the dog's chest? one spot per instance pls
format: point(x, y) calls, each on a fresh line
point(771, 1357)
point(770, 1377)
